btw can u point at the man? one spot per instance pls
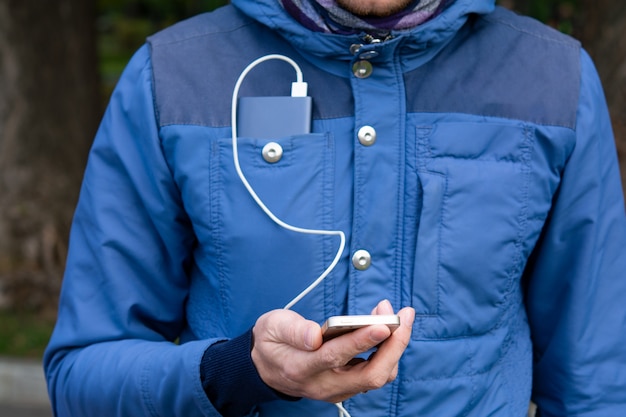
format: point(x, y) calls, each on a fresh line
point(465, 153)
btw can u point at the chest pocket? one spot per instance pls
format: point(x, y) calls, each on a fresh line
point(246, 263)
point(472, 181)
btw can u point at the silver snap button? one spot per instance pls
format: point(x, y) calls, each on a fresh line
point(272, 152)
point(367, 135)
point(368, 55)
point(362, 69)
point(355, 48)
point(361, 260)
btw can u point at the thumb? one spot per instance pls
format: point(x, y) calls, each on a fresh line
point(288, 327)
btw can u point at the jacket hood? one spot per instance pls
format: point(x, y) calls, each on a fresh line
point(424, 38)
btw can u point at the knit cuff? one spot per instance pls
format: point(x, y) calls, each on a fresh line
point(230, 379)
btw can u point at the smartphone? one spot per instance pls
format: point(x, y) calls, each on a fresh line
point(338, 325)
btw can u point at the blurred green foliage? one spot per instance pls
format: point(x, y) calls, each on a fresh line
point(559, 14)
point(563, 15)
point(123, 25)
point(24, 334)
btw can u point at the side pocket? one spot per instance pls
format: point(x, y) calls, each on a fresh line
point(426, 266)
point(472, 226)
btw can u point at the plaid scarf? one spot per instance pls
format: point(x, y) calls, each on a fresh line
point(327, 16)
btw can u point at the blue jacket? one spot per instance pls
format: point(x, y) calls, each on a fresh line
point(490, 202)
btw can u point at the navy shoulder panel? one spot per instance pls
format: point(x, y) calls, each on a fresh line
point(502, 65)
point(196, 64)
point(224, 19)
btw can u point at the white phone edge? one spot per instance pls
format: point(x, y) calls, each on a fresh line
point(338, 325)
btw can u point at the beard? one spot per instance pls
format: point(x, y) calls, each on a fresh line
point(374, 8)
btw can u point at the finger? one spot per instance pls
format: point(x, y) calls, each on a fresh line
point(389, 352)
point(342, 377)
point(337, 352)
point(353, 377)
point(382, 367)
point(383, 307)
point(357, 342)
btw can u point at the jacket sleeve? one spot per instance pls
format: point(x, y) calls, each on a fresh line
point(576, 296)
point(113, 350)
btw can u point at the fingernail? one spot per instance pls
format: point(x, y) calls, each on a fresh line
point(411, 316)
point(308, 338)
point(385, 307)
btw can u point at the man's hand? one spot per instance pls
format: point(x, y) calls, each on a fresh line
point(290, 357)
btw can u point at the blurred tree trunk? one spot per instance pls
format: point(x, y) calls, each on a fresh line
point(602, 32)
point(49, 109)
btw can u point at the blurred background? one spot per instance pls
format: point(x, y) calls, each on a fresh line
point(59, 61)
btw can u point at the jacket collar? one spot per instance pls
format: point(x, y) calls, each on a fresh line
point(332, 50)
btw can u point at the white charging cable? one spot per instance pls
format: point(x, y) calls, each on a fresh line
point(298, 89)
